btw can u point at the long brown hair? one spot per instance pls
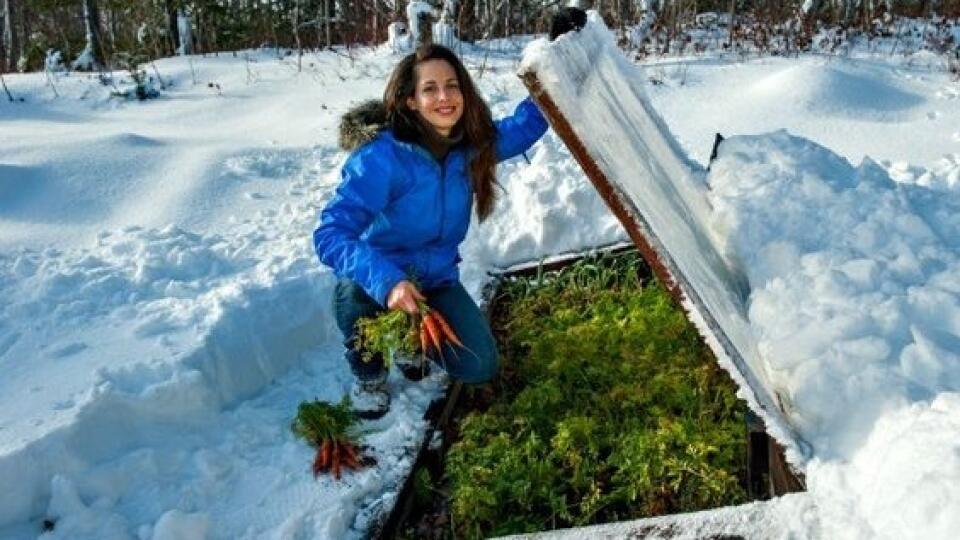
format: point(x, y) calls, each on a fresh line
point(476, 123)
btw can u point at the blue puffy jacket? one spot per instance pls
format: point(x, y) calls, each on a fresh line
point(399, 212)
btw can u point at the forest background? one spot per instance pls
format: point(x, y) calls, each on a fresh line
point(101, 35)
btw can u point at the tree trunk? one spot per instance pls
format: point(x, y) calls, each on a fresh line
point(730, 25)
point(326, 20)
point(11, 39)
point(424, 35)
point(3, 40)
point(296, 35)
point(812, 8)
point(199, 47)
point(172, 30)
point(94, 48)
point(506, 19)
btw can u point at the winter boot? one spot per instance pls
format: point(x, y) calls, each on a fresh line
point(414, 368)
point(370, 397)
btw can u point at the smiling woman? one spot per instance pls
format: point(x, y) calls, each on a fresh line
point(437, 98)
point(419, 163)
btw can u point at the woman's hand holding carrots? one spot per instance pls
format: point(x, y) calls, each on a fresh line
point(402, 331)
point(404, 297)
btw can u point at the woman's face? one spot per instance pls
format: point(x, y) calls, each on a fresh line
point(437, 95)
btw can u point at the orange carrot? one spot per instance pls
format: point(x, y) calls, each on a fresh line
point(424, 337)
point(316, 465)
point(446, 329)
point(433, 330)
point(350, 458)
point(325, 455)
point(322, 461)
point(336, 460)
point(351, 451)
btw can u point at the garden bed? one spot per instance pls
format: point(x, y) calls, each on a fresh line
point(609, 407)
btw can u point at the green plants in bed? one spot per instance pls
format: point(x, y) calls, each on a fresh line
point(609, 407)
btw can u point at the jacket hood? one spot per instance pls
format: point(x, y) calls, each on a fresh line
point(361, 124)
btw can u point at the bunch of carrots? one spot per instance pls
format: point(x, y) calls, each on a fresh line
point(434, 330)
point(397, 332)
point(332, 430)
point(334, 455)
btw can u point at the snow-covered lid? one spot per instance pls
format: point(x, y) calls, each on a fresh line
point(595, 101)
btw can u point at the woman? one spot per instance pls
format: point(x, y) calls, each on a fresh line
point(421, 160)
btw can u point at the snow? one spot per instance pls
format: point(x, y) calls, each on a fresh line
point(162, 312)
point(810, 97)
point(397, 36)
point(185, 33)
point(414, 11)
point(851, 317)
point(85, 61)
point(855, 305)
point(775, 518)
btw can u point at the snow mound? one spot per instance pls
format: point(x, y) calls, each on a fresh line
point(906, 478)
point(944, 175)
point(855, 304)
point(834, 90)
point(854, 292)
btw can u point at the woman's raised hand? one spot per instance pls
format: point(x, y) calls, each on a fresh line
point(404, 296)
point(567, 19)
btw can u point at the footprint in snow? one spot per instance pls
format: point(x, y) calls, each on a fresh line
point(933, 115)
point(67, 350)
point(63, 405)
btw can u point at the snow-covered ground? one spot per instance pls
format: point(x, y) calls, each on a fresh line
point(162, 311)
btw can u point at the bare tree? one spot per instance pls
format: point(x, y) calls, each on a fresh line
point(92, 56)
point(173, 30)
point(296, 35)
point(11, 38)
point(3, 41)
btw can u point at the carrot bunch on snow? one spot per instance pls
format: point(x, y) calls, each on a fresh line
point(332, 430)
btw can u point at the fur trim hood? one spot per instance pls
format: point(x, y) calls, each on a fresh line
point(361, 124)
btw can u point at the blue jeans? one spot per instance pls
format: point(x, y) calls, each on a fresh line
point(476, 365)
